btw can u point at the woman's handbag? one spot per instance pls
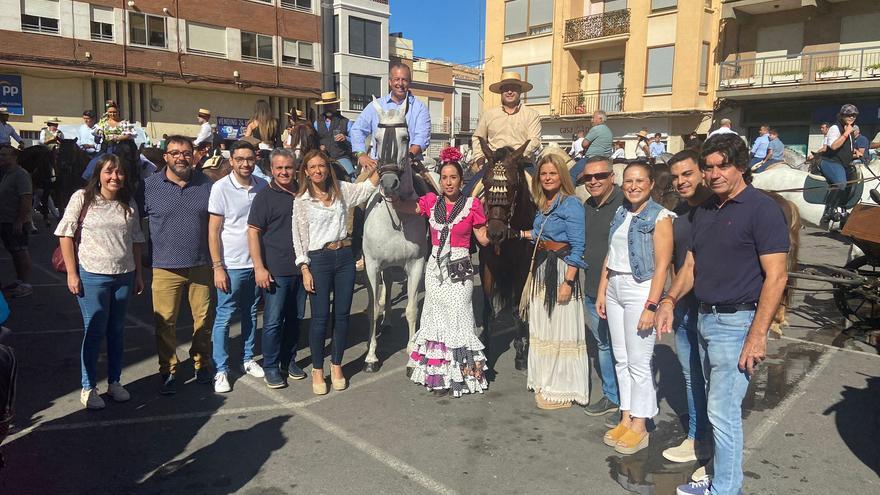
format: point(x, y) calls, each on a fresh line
point(527, 288)
point(57, 255)
point(460, 270)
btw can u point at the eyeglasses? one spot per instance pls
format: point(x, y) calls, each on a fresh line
point(599, 176)
point(849, 115)
point(239, 159)
point(177, 154)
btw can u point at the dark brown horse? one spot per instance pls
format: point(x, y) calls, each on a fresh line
point(72, 162)
point(504, 264)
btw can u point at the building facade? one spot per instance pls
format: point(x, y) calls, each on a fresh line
point(358, 36)
point(647, 63)
point(160, 61)
point(792, 64)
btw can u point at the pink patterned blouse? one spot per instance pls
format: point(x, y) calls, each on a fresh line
point(471, 216)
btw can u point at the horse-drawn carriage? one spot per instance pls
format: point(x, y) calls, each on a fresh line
point(857, 284)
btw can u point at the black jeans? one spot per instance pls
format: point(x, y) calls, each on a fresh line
point(333, 272)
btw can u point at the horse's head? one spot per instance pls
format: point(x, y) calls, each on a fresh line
point(392, 143)
point(504, 187)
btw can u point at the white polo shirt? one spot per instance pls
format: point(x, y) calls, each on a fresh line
point(232, 201)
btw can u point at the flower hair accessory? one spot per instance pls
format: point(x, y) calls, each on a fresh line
point(450, 155)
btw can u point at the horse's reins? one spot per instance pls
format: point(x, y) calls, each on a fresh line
point(829, 187)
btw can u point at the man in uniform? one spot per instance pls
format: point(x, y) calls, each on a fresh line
point(50, 135)
point(510, 124)
point(333, 131)
point(205, 138)
point(7, 132)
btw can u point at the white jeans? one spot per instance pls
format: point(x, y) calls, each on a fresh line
point(633, 349)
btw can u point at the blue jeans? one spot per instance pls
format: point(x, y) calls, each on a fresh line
point(285, 306)
point(103, 303)
point(348, 166)
point(754, 161)
point(687, 349)
point(834, 173)
point(599, 328)
point(242, 296)
point(333, 272)
point(721, 339)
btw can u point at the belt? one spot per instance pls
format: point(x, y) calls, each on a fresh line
point(552, 245)
point(335, 246)
point(706, 308)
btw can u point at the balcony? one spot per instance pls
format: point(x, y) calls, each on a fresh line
point(743, 9)
point(440, 127)
point(587, 102)
point(597, 30)
point(802, 72)
point(465, 126)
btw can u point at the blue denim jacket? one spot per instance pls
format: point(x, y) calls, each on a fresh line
point(565, 223)
point(641, 238)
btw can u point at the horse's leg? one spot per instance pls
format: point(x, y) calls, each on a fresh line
point(521, 342)
point(386, 284)
point(415, 270)
point(488, 311)
point(376, 289)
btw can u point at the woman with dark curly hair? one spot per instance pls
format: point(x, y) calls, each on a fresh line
point(447, 355)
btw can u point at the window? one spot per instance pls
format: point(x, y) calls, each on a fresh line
point(40, 16)
point(361, 90)
point(102, 23)
point(663, 5)
point(659, 78)
point(527, 18)
point(363, 37)
point(205, 40)
point(539, 76)
point(704, 67)
point(305, 5)
point(297, 53)
point(146, 30)
point(256, 47)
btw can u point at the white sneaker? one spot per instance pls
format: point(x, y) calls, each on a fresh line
point(118, 392)
point(685, 452)
point(90, 399)
point(221, 383)
point(255, 370)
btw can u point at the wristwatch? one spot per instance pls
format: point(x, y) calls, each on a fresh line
point(571, 283)
point(651, 306)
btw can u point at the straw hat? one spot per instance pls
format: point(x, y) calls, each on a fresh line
point(4, 111)
point(53, 121)
point(643, 133)
point(296, 113)
point(328, 98)
point(205, 112)
point(511, 77)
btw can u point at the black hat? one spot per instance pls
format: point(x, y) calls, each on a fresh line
point(90, 114)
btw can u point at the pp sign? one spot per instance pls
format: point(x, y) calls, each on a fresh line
point(10, 94)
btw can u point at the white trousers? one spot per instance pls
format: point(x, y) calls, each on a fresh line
point(633, 349)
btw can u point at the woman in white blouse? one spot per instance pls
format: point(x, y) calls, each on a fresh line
point(323, 252)
point(103, 270)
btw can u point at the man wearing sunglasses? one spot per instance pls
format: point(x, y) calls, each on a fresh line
point(176, 204)
point(605, 197)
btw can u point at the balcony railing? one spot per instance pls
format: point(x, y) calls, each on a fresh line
point(597, 26)
point(465, 126)
point(440, 127)
point(858, 64)
point(587, 102)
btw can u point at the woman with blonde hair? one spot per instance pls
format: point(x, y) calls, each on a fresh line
point(557, 365)
point(263, 127)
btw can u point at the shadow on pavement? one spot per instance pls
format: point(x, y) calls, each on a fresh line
point(857, 420)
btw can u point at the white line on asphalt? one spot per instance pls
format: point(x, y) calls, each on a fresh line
point(828, 346)
point(773, 419)
point(359, 443)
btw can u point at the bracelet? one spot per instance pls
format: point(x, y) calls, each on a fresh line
point(217, 264)
point(666, 300)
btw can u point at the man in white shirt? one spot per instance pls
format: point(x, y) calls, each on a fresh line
point(85, 133)
point(577, 146)
point(724, 129)
point(229, 206)
point(7, 132)
point(205, 137)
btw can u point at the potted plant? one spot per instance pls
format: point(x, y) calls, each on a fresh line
point(832, 72)
point(788, 76)
point(873, 70)
point(735, 82)
point(580, 108)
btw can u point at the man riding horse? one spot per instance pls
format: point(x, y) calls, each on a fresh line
point(510, 125)
point(418, 124)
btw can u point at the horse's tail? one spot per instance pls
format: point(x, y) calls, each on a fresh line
point(793, 219)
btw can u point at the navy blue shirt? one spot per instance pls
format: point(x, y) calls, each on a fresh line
point(682, 233)
point(272, 213)
point(728, 241)
point(178, 220)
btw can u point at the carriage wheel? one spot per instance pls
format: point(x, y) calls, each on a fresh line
point(852, 302)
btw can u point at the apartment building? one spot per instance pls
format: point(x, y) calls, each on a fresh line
point(647, 63)
point(159, 60)
point(793, 63)
point(450, 91)
point(359, 61)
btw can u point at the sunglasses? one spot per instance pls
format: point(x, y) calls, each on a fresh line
point(589, 177)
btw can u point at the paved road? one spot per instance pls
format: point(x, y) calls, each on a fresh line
point(811, 425)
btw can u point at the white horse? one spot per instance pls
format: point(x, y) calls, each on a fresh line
point(392, 239)
point(807, 191)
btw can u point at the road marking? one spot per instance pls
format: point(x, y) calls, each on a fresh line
point(357, 442)
point(775, 417)
point(828, 346)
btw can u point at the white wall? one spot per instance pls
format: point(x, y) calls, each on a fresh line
point(11, 18)
point(345, 63)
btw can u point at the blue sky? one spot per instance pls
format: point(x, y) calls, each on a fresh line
point(445, 29)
